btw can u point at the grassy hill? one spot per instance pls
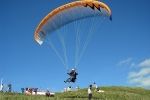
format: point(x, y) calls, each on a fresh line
point(111, 93)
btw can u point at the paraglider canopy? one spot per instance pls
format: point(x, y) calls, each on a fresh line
point(68, 13)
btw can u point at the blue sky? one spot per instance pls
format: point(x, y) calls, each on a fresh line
point(117, 54)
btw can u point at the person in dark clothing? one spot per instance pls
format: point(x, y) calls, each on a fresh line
point(22, 89)
point(35, 90)
point(73, 75)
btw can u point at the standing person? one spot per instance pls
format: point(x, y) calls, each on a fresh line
point(90, 92)
point(31, 90)
point(9, 87)
point(95, 85)
point(22, 89)
point(1, 88)
point(28, 92)
point(65, 89)
point(35, 90)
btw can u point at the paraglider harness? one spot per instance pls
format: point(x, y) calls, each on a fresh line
point(73, 75)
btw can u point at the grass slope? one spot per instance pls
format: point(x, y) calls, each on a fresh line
point(111, 93)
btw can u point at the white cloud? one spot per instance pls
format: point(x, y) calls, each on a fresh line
point(142, 81)
point(146, 82)
point(124, 62)
point(133, 65)
point(141, 77)
point(145, 63)
point(142, 72)
point(135, 80)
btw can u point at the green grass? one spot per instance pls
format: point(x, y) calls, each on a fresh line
point(111, 93)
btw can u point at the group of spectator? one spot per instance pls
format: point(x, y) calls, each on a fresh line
point(9, 87)
point(69, 89)
point(29, 90)
point(35, 90)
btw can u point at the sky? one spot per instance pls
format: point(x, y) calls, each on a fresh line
point(118, 53)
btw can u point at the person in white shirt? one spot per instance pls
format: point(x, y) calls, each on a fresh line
point(1, 88)
point(95, 85)
point(90, 92)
